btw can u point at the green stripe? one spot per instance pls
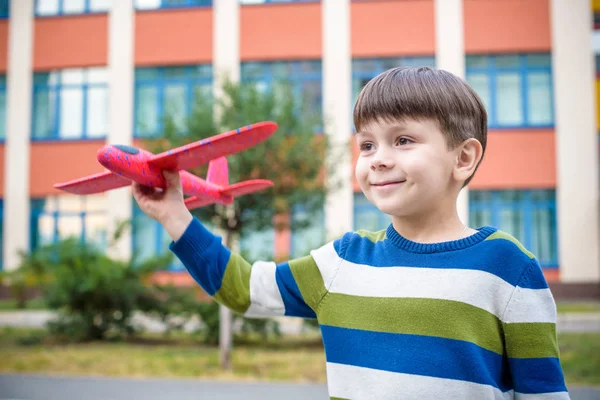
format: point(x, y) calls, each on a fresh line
point(373, 236)
point(506, 236)
point(337, 398)
point(531, 340)
point(309, 280)
point(430, 317)
point(235, 289)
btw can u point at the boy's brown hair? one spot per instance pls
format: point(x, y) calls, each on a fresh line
point(424, 93)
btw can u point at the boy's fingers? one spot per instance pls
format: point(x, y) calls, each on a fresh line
point(172, 178)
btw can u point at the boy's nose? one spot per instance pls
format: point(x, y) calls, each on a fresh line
point(379, 163)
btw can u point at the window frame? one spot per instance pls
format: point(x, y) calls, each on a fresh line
point(491, 72)
point(161, 82)
point(162, 6)
point(527, 205)
point(86, 10)
point(56, 88)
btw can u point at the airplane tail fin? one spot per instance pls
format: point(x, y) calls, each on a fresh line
point(218, 172)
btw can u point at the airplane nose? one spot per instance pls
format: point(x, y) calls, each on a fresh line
point(104, 155)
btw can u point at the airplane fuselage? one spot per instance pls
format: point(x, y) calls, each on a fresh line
point(132, 163)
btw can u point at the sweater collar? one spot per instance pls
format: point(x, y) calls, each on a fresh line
point(415, 247)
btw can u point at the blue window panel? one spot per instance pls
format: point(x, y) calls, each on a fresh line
point(305, 239)
point(305, 78)
point(168, 91)
point(4, 8)
point(2, 107)
point(45, 8)
point(528, 215)
point(60, 217)
point(367, 216)
point(365, 69)
point(516, 88)
point(258, 245)
point(150, 239)
point(70, 104)
point(156, 4)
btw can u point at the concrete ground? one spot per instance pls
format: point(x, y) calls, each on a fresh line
point(31, 387)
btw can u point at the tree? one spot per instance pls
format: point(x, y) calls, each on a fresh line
point(294, 158)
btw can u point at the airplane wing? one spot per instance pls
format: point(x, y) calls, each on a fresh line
point(202, 151)
point(91, 184)
point(245, 187)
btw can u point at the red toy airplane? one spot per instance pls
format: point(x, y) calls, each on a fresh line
point(128, 163)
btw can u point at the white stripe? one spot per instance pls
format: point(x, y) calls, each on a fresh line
point(265, 298)
point(531, 305)
point(327, 261)
point(477, 288)
point(350, 382)
point(544, 396)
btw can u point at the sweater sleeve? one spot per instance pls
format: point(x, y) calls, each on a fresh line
point(263, 289)
point(529, 325)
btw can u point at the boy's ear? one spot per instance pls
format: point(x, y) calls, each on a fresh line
point(468, 156)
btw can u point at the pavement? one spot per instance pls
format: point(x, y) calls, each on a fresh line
point(36, 387)
point(572, 322)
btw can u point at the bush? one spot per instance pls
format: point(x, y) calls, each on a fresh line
point(95, 295)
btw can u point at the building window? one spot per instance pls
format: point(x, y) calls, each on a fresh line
point(305, 239)
point(155, 4)
point(305, 78)
point(258, 245)
point(2, 107)
point(57, 218)
point(528, 215)
point(363, 70)
point(70, 104)
point(168, 91)
point(367, 216)
point(516, 89)
point(4, 8)
point(150, 239)
point(45, 8)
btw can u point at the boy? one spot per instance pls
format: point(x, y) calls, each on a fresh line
point(426, 309)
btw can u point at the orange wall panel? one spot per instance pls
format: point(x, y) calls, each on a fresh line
point(173, 37)
point(494, 26)
point(73, 41)
point(3, 45)
point(392, 28)
point(518, 159)
point(56, 162)
point(280, 31)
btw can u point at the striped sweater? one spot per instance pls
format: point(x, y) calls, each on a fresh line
point(466, 319)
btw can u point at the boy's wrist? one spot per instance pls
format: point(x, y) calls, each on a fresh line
point(176, 223)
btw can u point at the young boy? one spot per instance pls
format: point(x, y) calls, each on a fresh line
point(426, 309)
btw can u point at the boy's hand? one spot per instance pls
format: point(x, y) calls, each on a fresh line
point(165, 206)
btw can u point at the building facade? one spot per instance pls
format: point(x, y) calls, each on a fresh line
point(77, 74)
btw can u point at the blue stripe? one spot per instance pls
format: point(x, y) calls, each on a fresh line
point(498, 257)
point(418, 355)
point(290, 293)
point(203, 256)
point(537, 375)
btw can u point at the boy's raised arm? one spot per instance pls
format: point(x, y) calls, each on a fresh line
point(529, 325)
point(264, 289)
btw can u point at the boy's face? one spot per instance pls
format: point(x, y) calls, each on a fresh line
point(405, 168)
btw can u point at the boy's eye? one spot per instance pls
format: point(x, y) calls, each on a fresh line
point(366, 146)
point(403, 141)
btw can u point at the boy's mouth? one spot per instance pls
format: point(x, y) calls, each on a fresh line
point(387, 183)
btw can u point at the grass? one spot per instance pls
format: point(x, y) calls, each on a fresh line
point(293, 359)
point(33, 304)
point(578, 306)
point(289, 359)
